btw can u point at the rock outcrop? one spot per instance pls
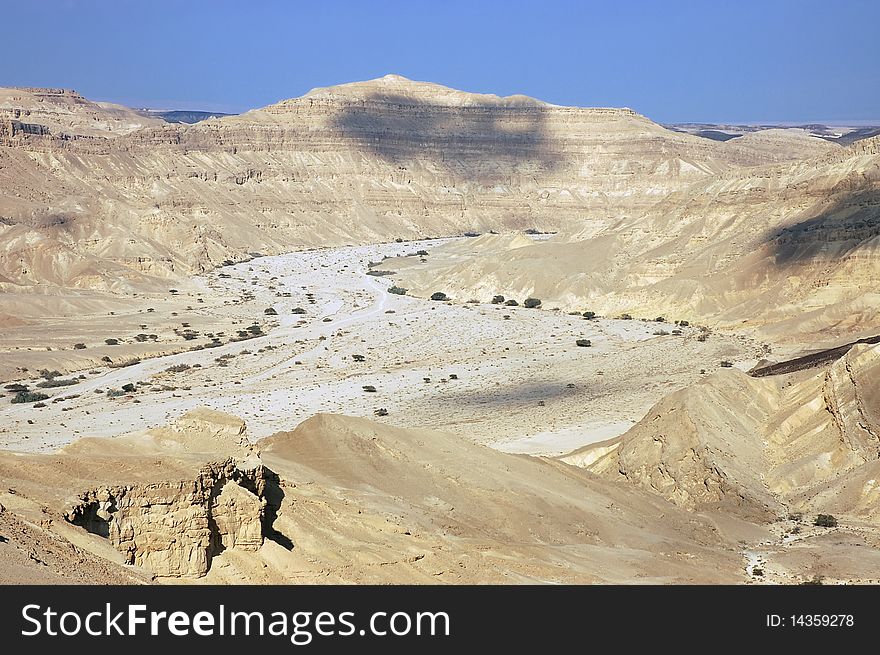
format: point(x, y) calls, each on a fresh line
point(175, 529)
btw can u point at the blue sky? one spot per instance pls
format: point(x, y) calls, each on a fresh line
point(673, 60)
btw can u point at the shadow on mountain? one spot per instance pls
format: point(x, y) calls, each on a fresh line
point(836, 232)
point(485, 143)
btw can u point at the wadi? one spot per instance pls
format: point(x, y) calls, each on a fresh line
point(393, 332)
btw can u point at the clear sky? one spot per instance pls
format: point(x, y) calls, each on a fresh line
point(673, 60)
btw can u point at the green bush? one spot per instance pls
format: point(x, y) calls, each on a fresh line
point(29, 397)
point(52, 382)
point(439, 295)
point(825, 521)
point(398, 291)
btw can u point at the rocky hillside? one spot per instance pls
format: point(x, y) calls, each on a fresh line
point(341, 500)
point(788, 248)
point(360, 162)
point(807, 442)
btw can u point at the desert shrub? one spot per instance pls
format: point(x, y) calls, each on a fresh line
point(106, 359)
point(825, 521)
point(79, 346)
point(531, 303)
point(379, 273)
point(270, 311)
point(796, 516)
point(684, 323)
point(758, 572)
point(358, 358)
point(51, 383)
point(369, 388)
point(497, 300)
point(625, 317)
point(453, 376)
point(128, 387)
point(702, 337)
point(127, 362)
point(660, 333)
point(111, 342)
point(583, 343)
point(511, 303)
point(381, 412)
point(29, 397)
point(297, 310)
point(660, 319)
point(45, 373)
point(178, 368)
point(398, 291)
point(39, 405)
point(439, 295)
point(114, 393)
point(421, 253)
point(15, 388)
point(726, 364)
point(589, 315)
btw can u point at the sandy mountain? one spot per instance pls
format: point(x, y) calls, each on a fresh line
point(789, 248)
point(64, 113)
point(345, 500)
point(807, 442)
point(361, 162)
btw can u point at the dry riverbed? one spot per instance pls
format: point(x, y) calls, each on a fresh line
point(339, 342)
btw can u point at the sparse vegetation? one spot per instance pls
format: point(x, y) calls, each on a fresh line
point(398, 291)
point(369, 388)
point(111, 342)
point(726, 364)
point(511, 303)
point(79, 346)
point(270, 311)
point(52, 382)
point(439, 295)
point(583, 343)
point(497, 300)
point(381, 412)
point(531, 303)
point(625, 317)
point(589, 315)
point(297, 310)
point(825, 521)
point(29, 397)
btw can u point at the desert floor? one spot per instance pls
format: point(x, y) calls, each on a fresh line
point(507, 376)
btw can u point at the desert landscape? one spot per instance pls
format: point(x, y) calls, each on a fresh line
point(393, 332)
